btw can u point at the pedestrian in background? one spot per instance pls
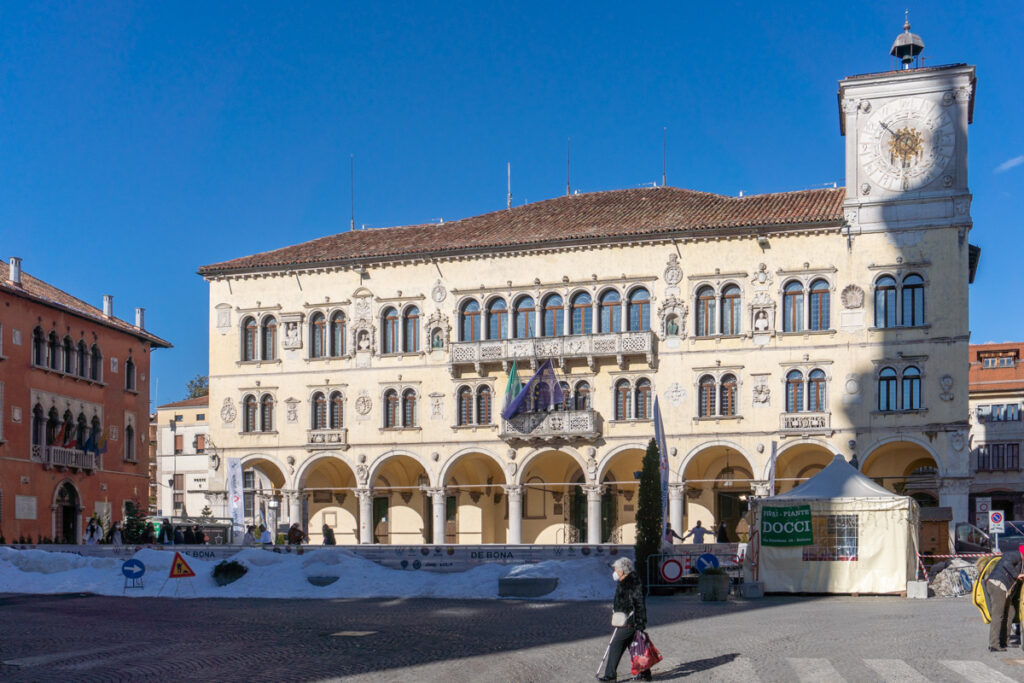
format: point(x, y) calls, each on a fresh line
point(149, 533)
point(250, 536)
point(329, 535)
point(266, 538)
point(93, 532)
point(723, 534)
point(166, 536)
point(1001, 589)
point(199, 535)
point(296, 535)
point(698, 532)
point(179, 538)
point(628, 607)
point(115, 538)
point(190, 538)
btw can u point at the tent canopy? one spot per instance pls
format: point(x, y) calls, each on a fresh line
point(839, 480)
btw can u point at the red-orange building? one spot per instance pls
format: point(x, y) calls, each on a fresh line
point(74, 410)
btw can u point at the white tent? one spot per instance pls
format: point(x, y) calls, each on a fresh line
point(864, 537)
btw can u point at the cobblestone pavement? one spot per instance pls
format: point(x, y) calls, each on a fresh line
point(91, 638)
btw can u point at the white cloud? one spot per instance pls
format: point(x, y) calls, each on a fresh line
point(1010, 163)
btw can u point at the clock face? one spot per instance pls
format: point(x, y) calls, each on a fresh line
point(906, 144)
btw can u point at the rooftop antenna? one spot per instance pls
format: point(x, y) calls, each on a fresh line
point(664, 155)
point(508, 201)
point(907, 45)
point(352, 190)
point(568, 166)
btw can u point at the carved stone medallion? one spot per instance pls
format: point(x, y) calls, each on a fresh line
point(762, 392)
point(946, 384)
point(675, 394)
point(438, 293)
point(673, 273)
point(227, 411)
point(363, 403)
point(852, 296)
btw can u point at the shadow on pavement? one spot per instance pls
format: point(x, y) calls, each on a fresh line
point(695, 667)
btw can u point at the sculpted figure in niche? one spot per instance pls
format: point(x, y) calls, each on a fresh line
point(672, 326)
point(761, 322)
point(436, 342)
point(364, 340)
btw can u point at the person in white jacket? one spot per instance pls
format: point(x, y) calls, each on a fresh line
point(116, 538)
point(93, 532)
point(266, 538)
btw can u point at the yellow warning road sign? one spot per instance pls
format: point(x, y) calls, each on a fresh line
point(180, 568)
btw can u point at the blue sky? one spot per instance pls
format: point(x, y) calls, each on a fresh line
point(139, 141)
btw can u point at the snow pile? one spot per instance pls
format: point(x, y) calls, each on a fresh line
point(281, 575)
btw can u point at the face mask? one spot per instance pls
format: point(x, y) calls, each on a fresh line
point(615, 575)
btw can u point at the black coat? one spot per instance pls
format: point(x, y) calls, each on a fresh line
point(1007, 569)
point(629, 597)
point(190, 538)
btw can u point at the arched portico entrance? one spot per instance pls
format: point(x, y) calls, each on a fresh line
point(400, 502)
point(904, 467)
point(799, 462)
point(620, 487)
point(475, 502)
point(67, 513)
point(719, 482)
point(548, 481)
point(328, 485)
point(263, 502)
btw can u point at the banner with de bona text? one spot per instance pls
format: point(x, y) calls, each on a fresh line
point(786, 525)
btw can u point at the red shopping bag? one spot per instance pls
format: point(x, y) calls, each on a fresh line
point(643, 653)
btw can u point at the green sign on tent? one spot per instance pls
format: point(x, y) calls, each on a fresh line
point(786, 525)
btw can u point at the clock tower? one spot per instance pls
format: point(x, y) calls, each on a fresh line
point(906, 143)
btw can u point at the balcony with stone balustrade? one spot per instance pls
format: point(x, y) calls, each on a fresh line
point(57, 456)
point(589, 347)
point(556, 426)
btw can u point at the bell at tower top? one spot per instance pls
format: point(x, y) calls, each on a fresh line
point(907, 46)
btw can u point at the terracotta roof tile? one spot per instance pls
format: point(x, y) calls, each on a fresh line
point(34, 288)
point(198, 401)
point(592, 216)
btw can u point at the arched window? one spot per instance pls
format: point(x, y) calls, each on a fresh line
point(470, 321)
point(267, 413)
point(913, 300)
point(68, 356)
point(727, 397)
point(731, 310)
point(610, 319)
point(582, 314)
point(582, 397)
point(524, 319)
point(622, 399)
point(887, 389)
point(816, 391)
point(52, 426)
point(249, 339)
point(319, 413)
point(794, 391)
point(409, 408)
point(38, 347)
point(249, 414)
point(391, 408)
point(639, 317)
point(793, 307)
point(129, 443)
point(465, 407)
point(82, 362)
point(96, 365)
point(337, 334)
point(497, 319)
point(911, 389)
point(819, 305)
point(643, 399)
point(389, 330)
point(38, 426)
point(885, 302)
point(129, 374)
point(337, 414)
point(411, 330)
point(553, 322)
point(54, 351)
point(706, 402)
point(317, 335)
point(483, 405)
point(705, 311)
point(566, 403)
point(268, 346)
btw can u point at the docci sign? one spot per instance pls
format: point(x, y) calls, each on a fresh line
point(786, 525)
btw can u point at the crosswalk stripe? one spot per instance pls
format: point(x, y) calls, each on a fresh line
point(895, 671)
point(815, 670)
point(976, 672)
point(51, 657)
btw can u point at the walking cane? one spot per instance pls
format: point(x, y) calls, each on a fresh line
point(606, 651)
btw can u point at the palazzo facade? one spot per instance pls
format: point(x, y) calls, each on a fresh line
point(360, 377)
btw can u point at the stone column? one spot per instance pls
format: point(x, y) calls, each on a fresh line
point(676, 504)
point(437, 499)
point(515, 514)
point(594, 513)
point(365, 497)
point(293, 500)
point(955, 494)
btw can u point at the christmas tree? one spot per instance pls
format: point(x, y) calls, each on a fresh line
point(134, 523)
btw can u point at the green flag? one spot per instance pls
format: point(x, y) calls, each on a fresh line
point(514, 386)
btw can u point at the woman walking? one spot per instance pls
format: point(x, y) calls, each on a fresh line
point(630, 611)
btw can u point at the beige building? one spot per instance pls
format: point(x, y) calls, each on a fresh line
point(360, 377)
point(182, 459)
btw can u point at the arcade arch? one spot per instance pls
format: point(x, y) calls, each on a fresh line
point(401, 506)
point(798, 462)
point(263, 482)
point(719, 482)
point(327, 485)
point(549, 479)
point(475, 501)
point(905, 467)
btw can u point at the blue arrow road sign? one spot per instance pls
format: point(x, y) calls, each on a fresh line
point(706, 561)
point(133, 569)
